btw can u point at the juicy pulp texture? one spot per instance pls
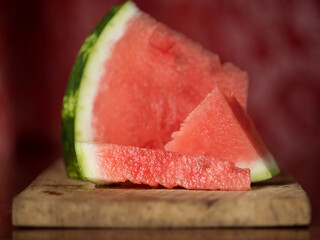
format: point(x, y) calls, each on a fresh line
point(151, 81)
point(220, 127)
point(114, 163)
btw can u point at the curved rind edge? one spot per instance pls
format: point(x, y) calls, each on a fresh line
point(70, 98)
point(262, 169)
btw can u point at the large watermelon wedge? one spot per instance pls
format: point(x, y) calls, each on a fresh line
point(134, 81)
point(219, 127)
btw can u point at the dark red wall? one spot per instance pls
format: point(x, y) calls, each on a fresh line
point(276, 42)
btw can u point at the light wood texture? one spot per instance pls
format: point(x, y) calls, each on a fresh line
point(53, 200)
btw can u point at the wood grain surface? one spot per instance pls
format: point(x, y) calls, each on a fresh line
point(54, 200)
point(165, 234)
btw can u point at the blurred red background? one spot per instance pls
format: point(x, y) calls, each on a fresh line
point(276, 42)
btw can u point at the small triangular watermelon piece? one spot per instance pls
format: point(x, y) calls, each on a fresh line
point(102, 162)
point(221, 128)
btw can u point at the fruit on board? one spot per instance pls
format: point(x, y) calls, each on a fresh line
point(117, 163)
point(134, 81)
point(219, 127)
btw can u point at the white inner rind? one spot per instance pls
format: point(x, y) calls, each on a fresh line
point(93, 72)
point(261, 169)
point(95, 69)
point(86, 156)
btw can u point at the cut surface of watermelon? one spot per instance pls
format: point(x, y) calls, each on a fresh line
point(135, 81)
point(114, 163)
point(220, 127)
point(152, 79)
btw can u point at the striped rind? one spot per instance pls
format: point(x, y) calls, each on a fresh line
point(77, 87)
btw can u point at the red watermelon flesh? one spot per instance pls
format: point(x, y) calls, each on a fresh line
point(154, 78)
point(114, 163)
point(220, 127)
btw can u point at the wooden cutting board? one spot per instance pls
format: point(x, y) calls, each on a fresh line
point(54, 200)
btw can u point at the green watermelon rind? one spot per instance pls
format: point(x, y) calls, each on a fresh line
point(261, 169)
point(90, 170)
point(265, 175)
point(71, 97)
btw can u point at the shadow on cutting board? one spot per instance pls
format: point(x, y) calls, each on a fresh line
point(163, 234)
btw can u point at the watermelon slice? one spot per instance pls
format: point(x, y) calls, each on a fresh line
point(134, 82)
point(220, 127)
point(115, 163)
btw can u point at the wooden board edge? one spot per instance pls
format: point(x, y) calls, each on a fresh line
point(22, 206)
